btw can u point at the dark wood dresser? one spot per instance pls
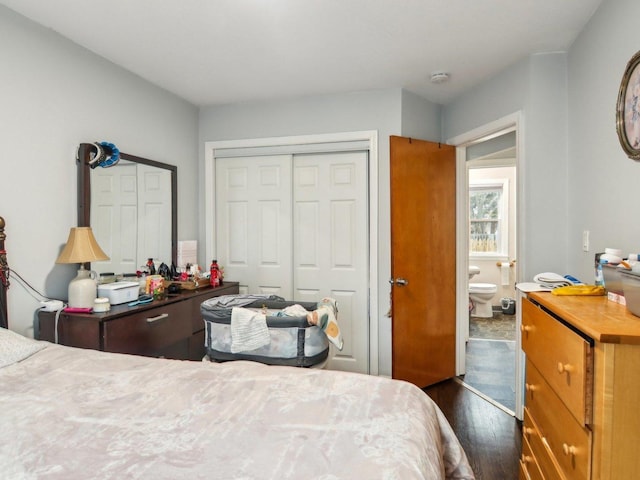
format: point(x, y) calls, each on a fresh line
point(170, 328)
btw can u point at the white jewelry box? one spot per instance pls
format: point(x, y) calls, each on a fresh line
point(119, 292)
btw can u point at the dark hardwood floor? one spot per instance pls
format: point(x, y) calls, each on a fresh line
point(490, 437)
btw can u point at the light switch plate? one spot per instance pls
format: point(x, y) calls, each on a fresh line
point(585, 241)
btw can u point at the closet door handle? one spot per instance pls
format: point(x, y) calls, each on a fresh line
point(401, 282)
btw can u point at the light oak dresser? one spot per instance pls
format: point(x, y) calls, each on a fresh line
point(582, 389)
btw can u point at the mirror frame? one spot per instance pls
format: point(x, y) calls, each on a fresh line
point(84, 189)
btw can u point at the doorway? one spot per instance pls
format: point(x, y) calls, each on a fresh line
point(490, 349)
point(484, 158)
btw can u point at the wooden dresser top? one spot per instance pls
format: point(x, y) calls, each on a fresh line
point(601, 319)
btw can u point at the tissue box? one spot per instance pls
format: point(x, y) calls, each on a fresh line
point(119, 292)
point(612, 278)
point(631, 285)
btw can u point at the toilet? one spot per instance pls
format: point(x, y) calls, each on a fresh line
point(481, 295)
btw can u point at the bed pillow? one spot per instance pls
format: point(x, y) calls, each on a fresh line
point(15, 347)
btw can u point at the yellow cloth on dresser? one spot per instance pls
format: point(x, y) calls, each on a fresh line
point(590, 290)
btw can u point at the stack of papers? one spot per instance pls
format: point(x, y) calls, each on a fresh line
point(551, 280)
point(545, 282)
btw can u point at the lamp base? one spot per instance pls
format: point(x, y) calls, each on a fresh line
point(83, 289)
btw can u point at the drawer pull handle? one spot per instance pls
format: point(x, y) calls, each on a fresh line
point(528, 431)
point(526, 328)
point(158, 318)
point(526, 459)
point(564, 367)
point(529, 387)
point(569, 449)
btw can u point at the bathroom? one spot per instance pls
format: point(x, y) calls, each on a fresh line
point(490, 348)
point(492, 227)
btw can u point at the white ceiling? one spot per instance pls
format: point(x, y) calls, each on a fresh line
point(226, 51)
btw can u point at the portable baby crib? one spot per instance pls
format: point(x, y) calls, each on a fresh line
point(291, 339)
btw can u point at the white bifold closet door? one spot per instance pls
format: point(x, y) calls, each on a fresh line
point(297, 226)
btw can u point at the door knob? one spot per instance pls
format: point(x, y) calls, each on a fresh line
point(401, 282)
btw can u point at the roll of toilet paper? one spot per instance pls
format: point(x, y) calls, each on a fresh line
point(504, 273)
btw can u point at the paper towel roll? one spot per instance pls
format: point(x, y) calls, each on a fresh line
point(504, 273)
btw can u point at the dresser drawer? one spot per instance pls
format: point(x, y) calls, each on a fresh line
point(147, 332)
point(544, 458)
point(562, 356)
point(568, 441)
point(529, 464)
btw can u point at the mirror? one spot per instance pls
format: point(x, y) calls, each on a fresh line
point(132, 209)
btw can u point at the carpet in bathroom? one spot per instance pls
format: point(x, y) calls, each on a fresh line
point(500, 327)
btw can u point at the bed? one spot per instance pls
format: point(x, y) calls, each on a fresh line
point(70, 413)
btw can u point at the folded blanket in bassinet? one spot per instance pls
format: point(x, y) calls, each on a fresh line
point(248, 330)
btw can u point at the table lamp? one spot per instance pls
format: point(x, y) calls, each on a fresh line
point(81, 248)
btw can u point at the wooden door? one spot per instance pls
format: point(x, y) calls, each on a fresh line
point(423, 255)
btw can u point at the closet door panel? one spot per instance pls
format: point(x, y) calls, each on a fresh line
point(253, 218)
point(330, 244)
point(236, 234)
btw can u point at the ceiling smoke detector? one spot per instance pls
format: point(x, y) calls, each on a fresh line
point(439, 77)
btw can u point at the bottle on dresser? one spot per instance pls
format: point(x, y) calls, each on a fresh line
point(214, 277)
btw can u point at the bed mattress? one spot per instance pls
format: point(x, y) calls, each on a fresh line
point(72, 413)
point(292, 341)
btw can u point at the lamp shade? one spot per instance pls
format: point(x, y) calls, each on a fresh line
point(81, 247)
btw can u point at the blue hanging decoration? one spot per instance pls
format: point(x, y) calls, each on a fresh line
point(112, 155)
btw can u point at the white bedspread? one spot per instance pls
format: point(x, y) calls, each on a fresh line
point(79, 414)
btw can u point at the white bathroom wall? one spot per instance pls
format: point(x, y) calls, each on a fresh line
point(55, 95)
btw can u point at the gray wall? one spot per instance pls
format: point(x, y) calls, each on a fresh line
point(576, 175)
point(420, 118)
point(374, 110)
point(603, 182)
point(54, 96)
point(536, 87)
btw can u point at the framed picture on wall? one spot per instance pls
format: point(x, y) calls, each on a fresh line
point(628, 109)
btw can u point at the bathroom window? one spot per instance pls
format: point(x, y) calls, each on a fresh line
point(488, 218)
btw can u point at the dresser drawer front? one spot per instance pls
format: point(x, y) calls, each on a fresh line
point(567, 440)
point(529, 464)
point(562, 356)
point(147, 332)
point(544, 458)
